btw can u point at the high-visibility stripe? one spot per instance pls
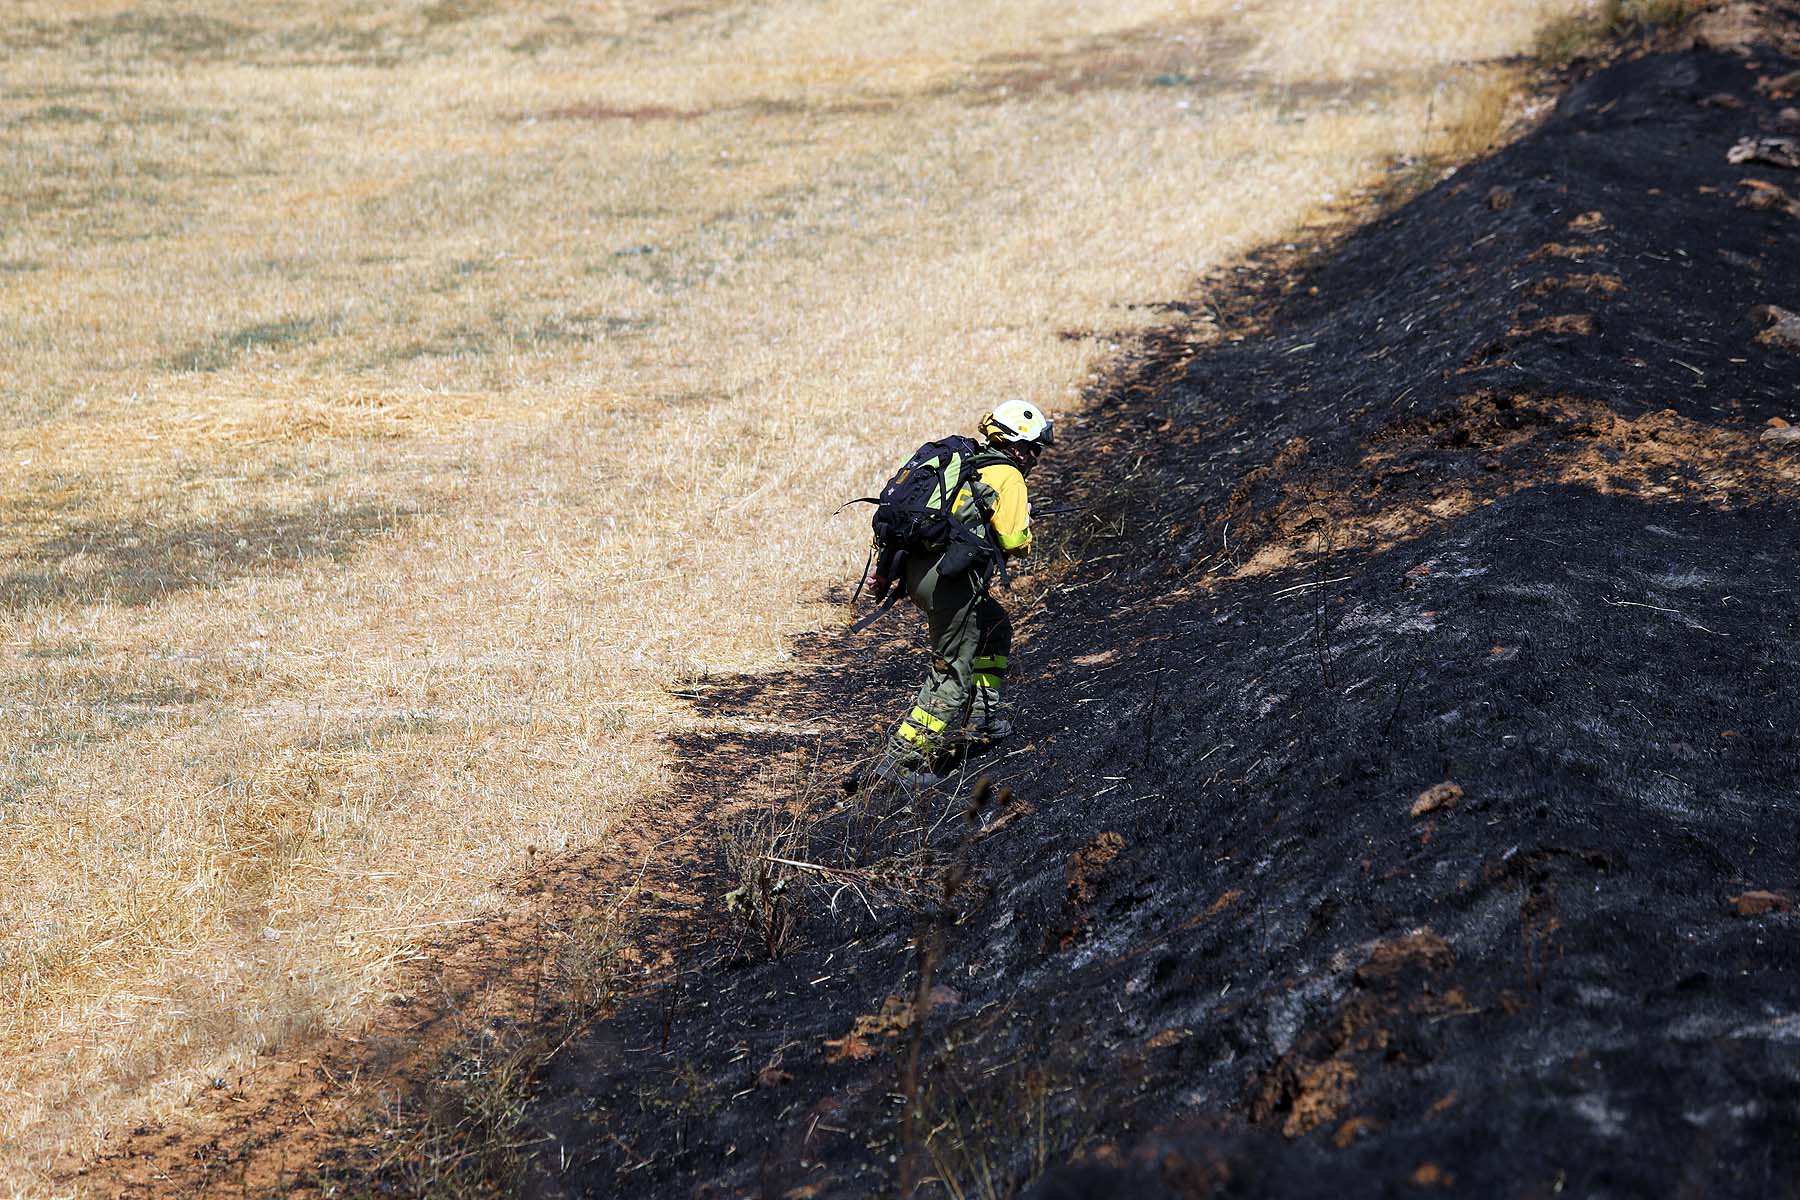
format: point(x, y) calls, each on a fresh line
point(953, 473)
point(991, 662)
point(917, 737)
point(1012, 541)
point(985, 680)
point(920, 717)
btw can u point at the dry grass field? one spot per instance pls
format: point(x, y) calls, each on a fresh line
point(399, 399)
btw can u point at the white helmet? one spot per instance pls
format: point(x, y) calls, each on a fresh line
point(1018, 421)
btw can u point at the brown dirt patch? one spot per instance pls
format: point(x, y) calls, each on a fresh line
point(1086, 870)
point(1319, 1095)
point(1589, 283)
point(1523, 442)
point(1438, 795)
point(1399, 981)
point(1756, 903)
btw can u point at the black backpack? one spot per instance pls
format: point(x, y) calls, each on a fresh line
point(916, 509)
point(916, 512)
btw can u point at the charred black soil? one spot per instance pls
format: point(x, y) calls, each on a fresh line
point(1406, 797)
point(1411, 797)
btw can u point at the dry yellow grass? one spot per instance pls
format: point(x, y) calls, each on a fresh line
point(398, 399)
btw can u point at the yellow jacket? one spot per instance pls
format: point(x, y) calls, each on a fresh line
point(1012, 509)
point(1008, 504)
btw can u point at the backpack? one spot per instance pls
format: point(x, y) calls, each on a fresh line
point(916, 512)
point(916, 509)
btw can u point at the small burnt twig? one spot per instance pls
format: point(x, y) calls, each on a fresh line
point(1321, 616)
point(1150, 712)
point(1301, 587)
point(851, 878)
point(1387, 727)
point(1611, 603)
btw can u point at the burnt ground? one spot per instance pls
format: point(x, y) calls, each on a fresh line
point(1406, 797)
point(1475, 498)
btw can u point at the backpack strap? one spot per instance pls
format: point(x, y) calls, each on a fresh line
point(894, 591)
point(988, 456)
point(877, 614)
point(867, 563)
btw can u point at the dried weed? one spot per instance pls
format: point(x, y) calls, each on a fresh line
point(1578, 34)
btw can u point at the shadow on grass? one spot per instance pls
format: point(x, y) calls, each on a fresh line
point(219, 352)
point(138, 563)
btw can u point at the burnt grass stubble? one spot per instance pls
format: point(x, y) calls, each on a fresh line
point(1214, 954)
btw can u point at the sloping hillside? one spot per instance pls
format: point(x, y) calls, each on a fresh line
point(1406, 792)
point(1411, 794)
point(399, 399)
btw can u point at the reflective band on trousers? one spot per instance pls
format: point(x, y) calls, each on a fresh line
point(920, 727)
point(919, 716)
point(982, 679)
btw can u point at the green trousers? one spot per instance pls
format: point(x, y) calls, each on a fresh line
point(971, 642)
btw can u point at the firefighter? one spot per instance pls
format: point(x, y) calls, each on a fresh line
point(958, 706)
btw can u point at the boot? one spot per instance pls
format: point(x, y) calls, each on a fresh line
point(986, 726)
point(991, 734)
point(905, 778)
